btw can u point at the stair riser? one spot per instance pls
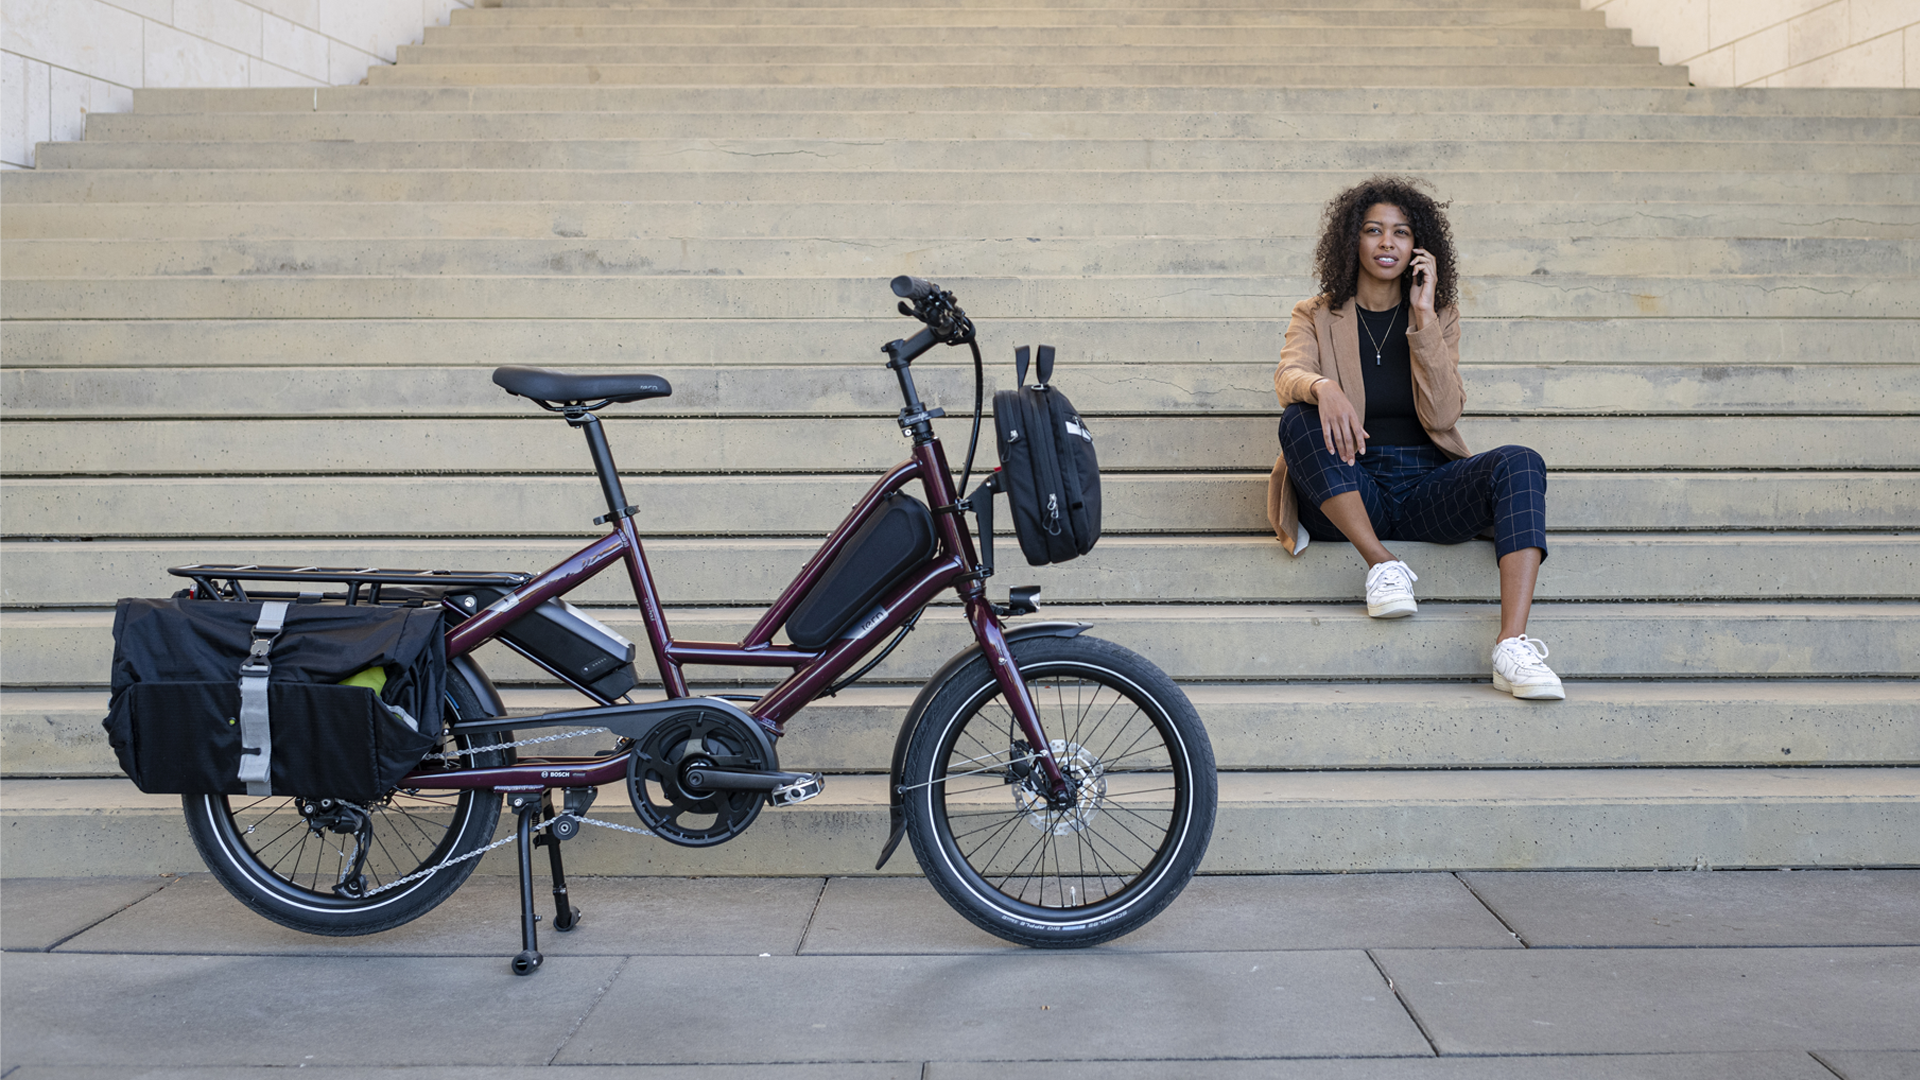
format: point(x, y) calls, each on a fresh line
point(1036, 75)
point(405, 126)
point(1584, 566)
point(482, 185)
point(1099, 388)
point(1292, 726)
point(1456, 830)
point(786, 155)
point(1069, 33)
point(1751, 361)
point(750, 444)
point(1264, 643)
point(1134, 503)
point(1690, 101)
point(1474, 226)
point(798, 257)
point(687, 297)
point(851, 49)
point(721, 9)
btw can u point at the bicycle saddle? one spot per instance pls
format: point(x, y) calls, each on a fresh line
point(543, 385)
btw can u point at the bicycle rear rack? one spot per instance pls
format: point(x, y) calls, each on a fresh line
point(208, 578)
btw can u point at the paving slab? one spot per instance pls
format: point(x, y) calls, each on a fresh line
point(620, 917)
point(836, 1071)
point(877, 916)
point(1872, 1064)
point(1732, 907)
point(1773, 1066)
point(839, 1070)
point(37, 914)
point(1034, 1006)
point(1558, 1001)
point(285, 1011)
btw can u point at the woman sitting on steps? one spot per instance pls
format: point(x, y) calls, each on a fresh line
point(1369, 448)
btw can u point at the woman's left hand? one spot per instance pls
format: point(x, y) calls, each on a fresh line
point(1422, 269)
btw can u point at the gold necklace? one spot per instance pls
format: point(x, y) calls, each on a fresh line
point(1377, 350)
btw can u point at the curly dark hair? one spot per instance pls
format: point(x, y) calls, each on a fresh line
point(1337, 259)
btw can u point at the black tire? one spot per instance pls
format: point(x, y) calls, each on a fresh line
point(265, 854)
point(1068, 878)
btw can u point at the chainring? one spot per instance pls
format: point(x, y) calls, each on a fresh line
point(700, 736)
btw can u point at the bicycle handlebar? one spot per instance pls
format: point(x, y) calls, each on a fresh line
point(907, 287)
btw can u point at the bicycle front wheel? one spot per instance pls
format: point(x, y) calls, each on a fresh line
point(339, 870)
point(1061, 877)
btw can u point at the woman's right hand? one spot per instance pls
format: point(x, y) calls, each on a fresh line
point(1339, 422)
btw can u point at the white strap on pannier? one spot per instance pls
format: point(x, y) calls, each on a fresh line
point(256, 733)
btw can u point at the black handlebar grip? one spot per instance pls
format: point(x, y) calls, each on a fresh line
point(912, 288)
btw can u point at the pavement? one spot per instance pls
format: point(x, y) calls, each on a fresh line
point(1741, 975)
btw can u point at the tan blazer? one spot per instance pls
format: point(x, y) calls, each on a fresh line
point(1324, 343)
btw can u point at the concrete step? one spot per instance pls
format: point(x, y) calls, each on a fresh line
point(1050, 155)
point(581, 296)
point(719, 8)
point(993, 17)
point(400, 126)
point(1385, 101)
point(943, 73)
point(1282, 726)
point(1070, 31)
point(1471, 223)
point(852, 49)
point(1655, 361)
point(1101, 387)
point(1142, 503)
point(1185, 442)
point(1119, 186)
point(1257, 642)
point(1268, 822)
point(1002, 255)
point(1127, 569)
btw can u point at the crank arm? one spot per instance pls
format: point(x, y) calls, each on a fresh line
point(705, 778)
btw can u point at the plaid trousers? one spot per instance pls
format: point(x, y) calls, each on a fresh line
point(1416, 492)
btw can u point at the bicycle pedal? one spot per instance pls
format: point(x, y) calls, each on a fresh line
point(797, 792)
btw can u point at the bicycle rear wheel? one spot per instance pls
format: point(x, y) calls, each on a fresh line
point(1065, 877)
point(282, 857)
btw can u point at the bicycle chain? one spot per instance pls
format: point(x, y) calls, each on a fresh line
point(477, 852)
point(451, 754)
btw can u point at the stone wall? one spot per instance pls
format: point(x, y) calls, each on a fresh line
point(61, 59)
point(1779, 42)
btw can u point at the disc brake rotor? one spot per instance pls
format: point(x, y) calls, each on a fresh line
point(1089, 776)
point(656, 778)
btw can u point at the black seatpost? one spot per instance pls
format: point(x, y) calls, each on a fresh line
point(602, 463)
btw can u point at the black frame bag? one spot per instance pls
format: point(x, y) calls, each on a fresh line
point(223, 698)
point(1047, 468)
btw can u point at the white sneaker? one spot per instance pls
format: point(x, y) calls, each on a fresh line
point(1517, 669)
point(1390, 590)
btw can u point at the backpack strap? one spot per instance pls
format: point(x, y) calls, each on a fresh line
point(1020, 358)
point(1044, 363)
point(256, 731)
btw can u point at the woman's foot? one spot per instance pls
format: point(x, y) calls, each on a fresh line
point(1519, 669)
point(1390, 590)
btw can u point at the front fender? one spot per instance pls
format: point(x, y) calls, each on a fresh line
point(897, 801)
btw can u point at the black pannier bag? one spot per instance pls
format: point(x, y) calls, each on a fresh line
point(223, 698)
point(1047, 468)
point(896, 540)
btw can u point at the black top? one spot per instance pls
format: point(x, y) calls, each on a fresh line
point(1390, 419)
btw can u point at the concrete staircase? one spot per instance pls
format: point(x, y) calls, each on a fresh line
point(257, 325)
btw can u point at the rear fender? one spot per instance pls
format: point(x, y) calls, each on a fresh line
point(897, 801)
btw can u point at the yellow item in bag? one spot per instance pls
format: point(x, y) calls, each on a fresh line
point(373, 678)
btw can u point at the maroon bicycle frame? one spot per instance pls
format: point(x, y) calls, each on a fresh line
point(813, 671)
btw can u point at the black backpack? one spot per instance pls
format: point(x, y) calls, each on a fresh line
point(1047, 468)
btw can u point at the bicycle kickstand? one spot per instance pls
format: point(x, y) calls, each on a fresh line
point(565, 915)
point(526, 806)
